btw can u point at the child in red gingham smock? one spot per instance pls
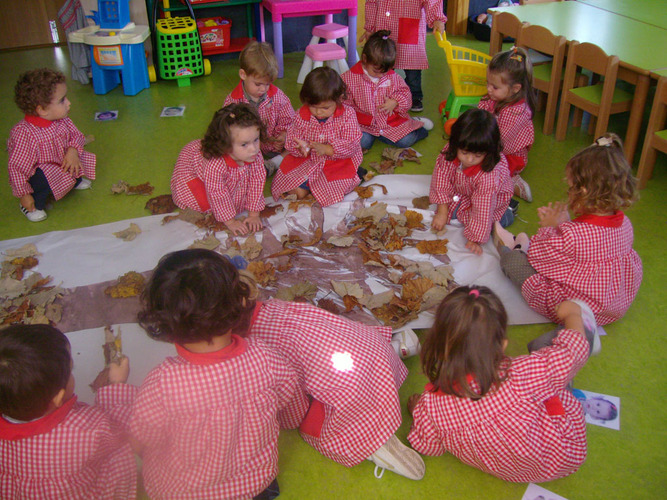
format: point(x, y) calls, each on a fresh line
point(52, 446)
point(510, 417)
point(406, 20)
point(46, 155)
point(380, 97)
point(510, 97)
point(258, 70)
point(471, 181)
point(224, 173)
point(589, 258)
point(205, 422)
point(352, 375)
point(323, 143)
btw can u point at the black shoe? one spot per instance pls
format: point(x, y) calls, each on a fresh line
point(417, 106)
point(514, 206)
point(361, 172)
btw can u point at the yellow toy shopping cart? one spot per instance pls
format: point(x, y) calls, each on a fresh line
point(468, 70)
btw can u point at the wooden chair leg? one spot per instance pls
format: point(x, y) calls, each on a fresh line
point(646, 163)
point(578, 117)
point(550, 114)
point(591, 126)
point(563, 119)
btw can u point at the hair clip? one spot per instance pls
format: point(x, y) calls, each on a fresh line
point(474, 292)
point(385, 37)
point(604, 141)
point(232, 115)
point(515, 54)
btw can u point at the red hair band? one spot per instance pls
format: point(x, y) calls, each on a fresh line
point(474, 292)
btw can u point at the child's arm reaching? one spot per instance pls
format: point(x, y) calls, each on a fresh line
point(253, 222)
point(370, 11)
point(434, 15)
point(569, 314)
point(440, 218)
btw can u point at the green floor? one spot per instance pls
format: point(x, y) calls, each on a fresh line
point(140, 147)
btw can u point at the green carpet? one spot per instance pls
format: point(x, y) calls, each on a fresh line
point(140, 147)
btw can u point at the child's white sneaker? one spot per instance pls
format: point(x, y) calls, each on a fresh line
point(35, 215)
point(590, 327)
point(428, 124)
point(84, 184)
point(398, 458)
point(521, 188)
point(502, 237)
point(405, 343)
point(522, 242)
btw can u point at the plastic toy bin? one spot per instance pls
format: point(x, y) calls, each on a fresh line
point(179, 49)
point(214, 33)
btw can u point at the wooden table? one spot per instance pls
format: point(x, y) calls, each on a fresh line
point(302, 8)
point(639, 46)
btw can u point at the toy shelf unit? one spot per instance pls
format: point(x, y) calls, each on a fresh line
point(116, 48)
point(213, 30)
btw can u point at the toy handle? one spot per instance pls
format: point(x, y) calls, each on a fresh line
point(441, 38)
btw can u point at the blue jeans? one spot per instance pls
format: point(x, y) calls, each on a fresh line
point(367, 139)
point(413, 77)
point(40, 189)
point(506, 220)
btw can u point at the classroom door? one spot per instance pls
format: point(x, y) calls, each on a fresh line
point(26, 23)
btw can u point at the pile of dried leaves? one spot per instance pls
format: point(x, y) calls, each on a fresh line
point(394, 157)
point(26, 298)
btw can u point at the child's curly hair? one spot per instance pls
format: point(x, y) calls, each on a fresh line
point(321, 85)
point(600, 178)
point(35, 88)
point(218, 138)
point(195, 295)
point(257, 59)
point(380, 51)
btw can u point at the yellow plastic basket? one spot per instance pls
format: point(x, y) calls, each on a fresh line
point(467, 66)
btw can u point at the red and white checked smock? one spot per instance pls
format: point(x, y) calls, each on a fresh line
point(349, 369)
point(76, 452)
point(530, 429)
point(590, 259)
point(275, 110)
point(330, 178)
point(483, 197)
point(218, 185)
point(366, 96)
point(517, 132)
point(38, 143)
point(407, 20)
point(206, 426)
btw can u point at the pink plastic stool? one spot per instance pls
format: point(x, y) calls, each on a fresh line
point(317, 55)
point(330, 32)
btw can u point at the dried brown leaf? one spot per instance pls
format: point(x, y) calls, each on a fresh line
point(328, 305)
point(377, 300)
point(343, 288)
point(414, 290)
point(351, 302)
point(304, 202)
point(251, 248)
point(129, 233)
point(414, 219)
point(422, 202)
point(270, 211)
point(341, 241)
point(317, 236)
point(287, 251)
point(304, 289)
point(208, 242)
point(130, 284)
point(433, 247)
point(162, 204)
point(264, 272)
point(27, 250)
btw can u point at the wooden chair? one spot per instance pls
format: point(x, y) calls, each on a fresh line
point(547, 77)
point(503, 24)
point(600, 99)
point(656, 134)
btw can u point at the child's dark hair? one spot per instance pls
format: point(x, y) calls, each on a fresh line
point(476, 131)
point(218, 138)
point(466, 339)
point(514, 66)
point(380, 51)
point(35, 364)
point(35, 88)
point(195, 295)
point(600, 178)
point(257, 59)
point(321, 85)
